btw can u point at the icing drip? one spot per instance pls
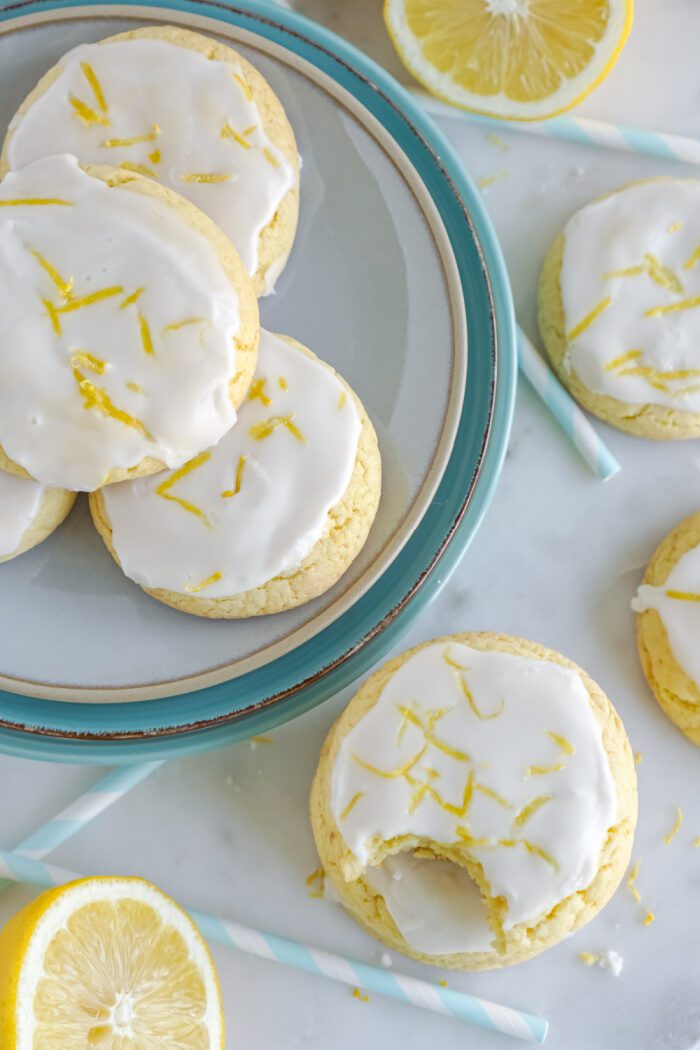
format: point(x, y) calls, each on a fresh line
point(90, 377)
point(251, 508)
point(211, 146)
point(20, 500)
point(528, 791)
point(631, 292)
point(677, 602)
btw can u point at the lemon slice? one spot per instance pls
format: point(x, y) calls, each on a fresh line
point(515, 59)
point(107, 964)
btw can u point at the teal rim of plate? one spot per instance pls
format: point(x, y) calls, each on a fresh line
point(321, 667)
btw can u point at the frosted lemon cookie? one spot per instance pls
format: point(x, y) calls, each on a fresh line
point(619, 307)
point(668, 626)
point(128, 327)
point(476, 801)
point(29, 513)
point(185, 110)
point(270, 517)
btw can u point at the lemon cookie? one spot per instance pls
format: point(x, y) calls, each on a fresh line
point(668, 626)
point(269, 518)
point(128, 328)
point(183, 109)
point(476, 801)
point(619, 308)
point(29, 513)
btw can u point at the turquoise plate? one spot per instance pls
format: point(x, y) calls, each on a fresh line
point(397, 279)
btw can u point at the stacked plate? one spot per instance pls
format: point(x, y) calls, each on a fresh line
point(397, 280)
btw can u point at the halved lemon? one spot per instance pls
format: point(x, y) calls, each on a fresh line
point(515, 59)
point(107, 964)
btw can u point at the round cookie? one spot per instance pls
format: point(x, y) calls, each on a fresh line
point(475, 802)
point(269, 518)
point(29, 513)
point(183, 109)
point(129, 326)
point(668, 626)
point(619, 307)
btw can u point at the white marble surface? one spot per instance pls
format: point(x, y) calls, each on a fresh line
point(557, 560)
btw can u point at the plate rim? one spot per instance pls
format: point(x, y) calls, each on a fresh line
point(32, 731)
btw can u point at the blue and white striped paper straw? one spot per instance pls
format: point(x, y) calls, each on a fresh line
point(567, 413)
point(583, 131)
point(103, 794)
point(481, 1012)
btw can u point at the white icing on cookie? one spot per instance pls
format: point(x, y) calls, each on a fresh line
point(20, 500)
point(89, 386)
point(435, 904)
point(630, 284)
point(252, 507)
point(193, 117)
point(677, 602)
point(505, 756)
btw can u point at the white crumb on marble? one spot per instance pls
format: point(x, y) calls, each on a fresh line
point(386, 959)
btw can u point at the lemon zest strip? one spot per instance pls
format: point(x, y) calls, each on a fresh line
point(177, 325)
point(536, 771)
point(91, 77)
point(89, 300)
point(561, 742)
point(244, 84)
point(627, 271)
point(270, 157)
point(490, 793)
point(146, 338)
point(118, 143)
point(260, 431)
point(693, 260)
point(215, 576)
point(98, 398)
point(82, 358)
point(257, 390)
point(53, 315)
point(588, 320)
point(15, 202)
point(227, 132)
point(530, 809)
point(683, 596)
point(130, 299)
point(86, 114)
point(239, 478)
point(163, 489)
point(342, 398)
point(351, 804)
point(676, 827)
point(661, 274)
point(64, 287)
point(630, 355)
point(684, 304)
point(391, 774)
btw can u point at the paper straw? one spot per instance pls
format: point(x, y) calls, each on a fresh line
point(581, 130)
point(103, 794)
point(299, 956)
point(567, 413)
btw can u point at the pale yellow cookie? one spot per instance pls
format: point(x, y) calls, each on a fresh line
point(668, 606)
point(276, 238)
point(626, 346)
point(344, 529)
point(444, 735)
point(247, 341)
point(29, 513)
